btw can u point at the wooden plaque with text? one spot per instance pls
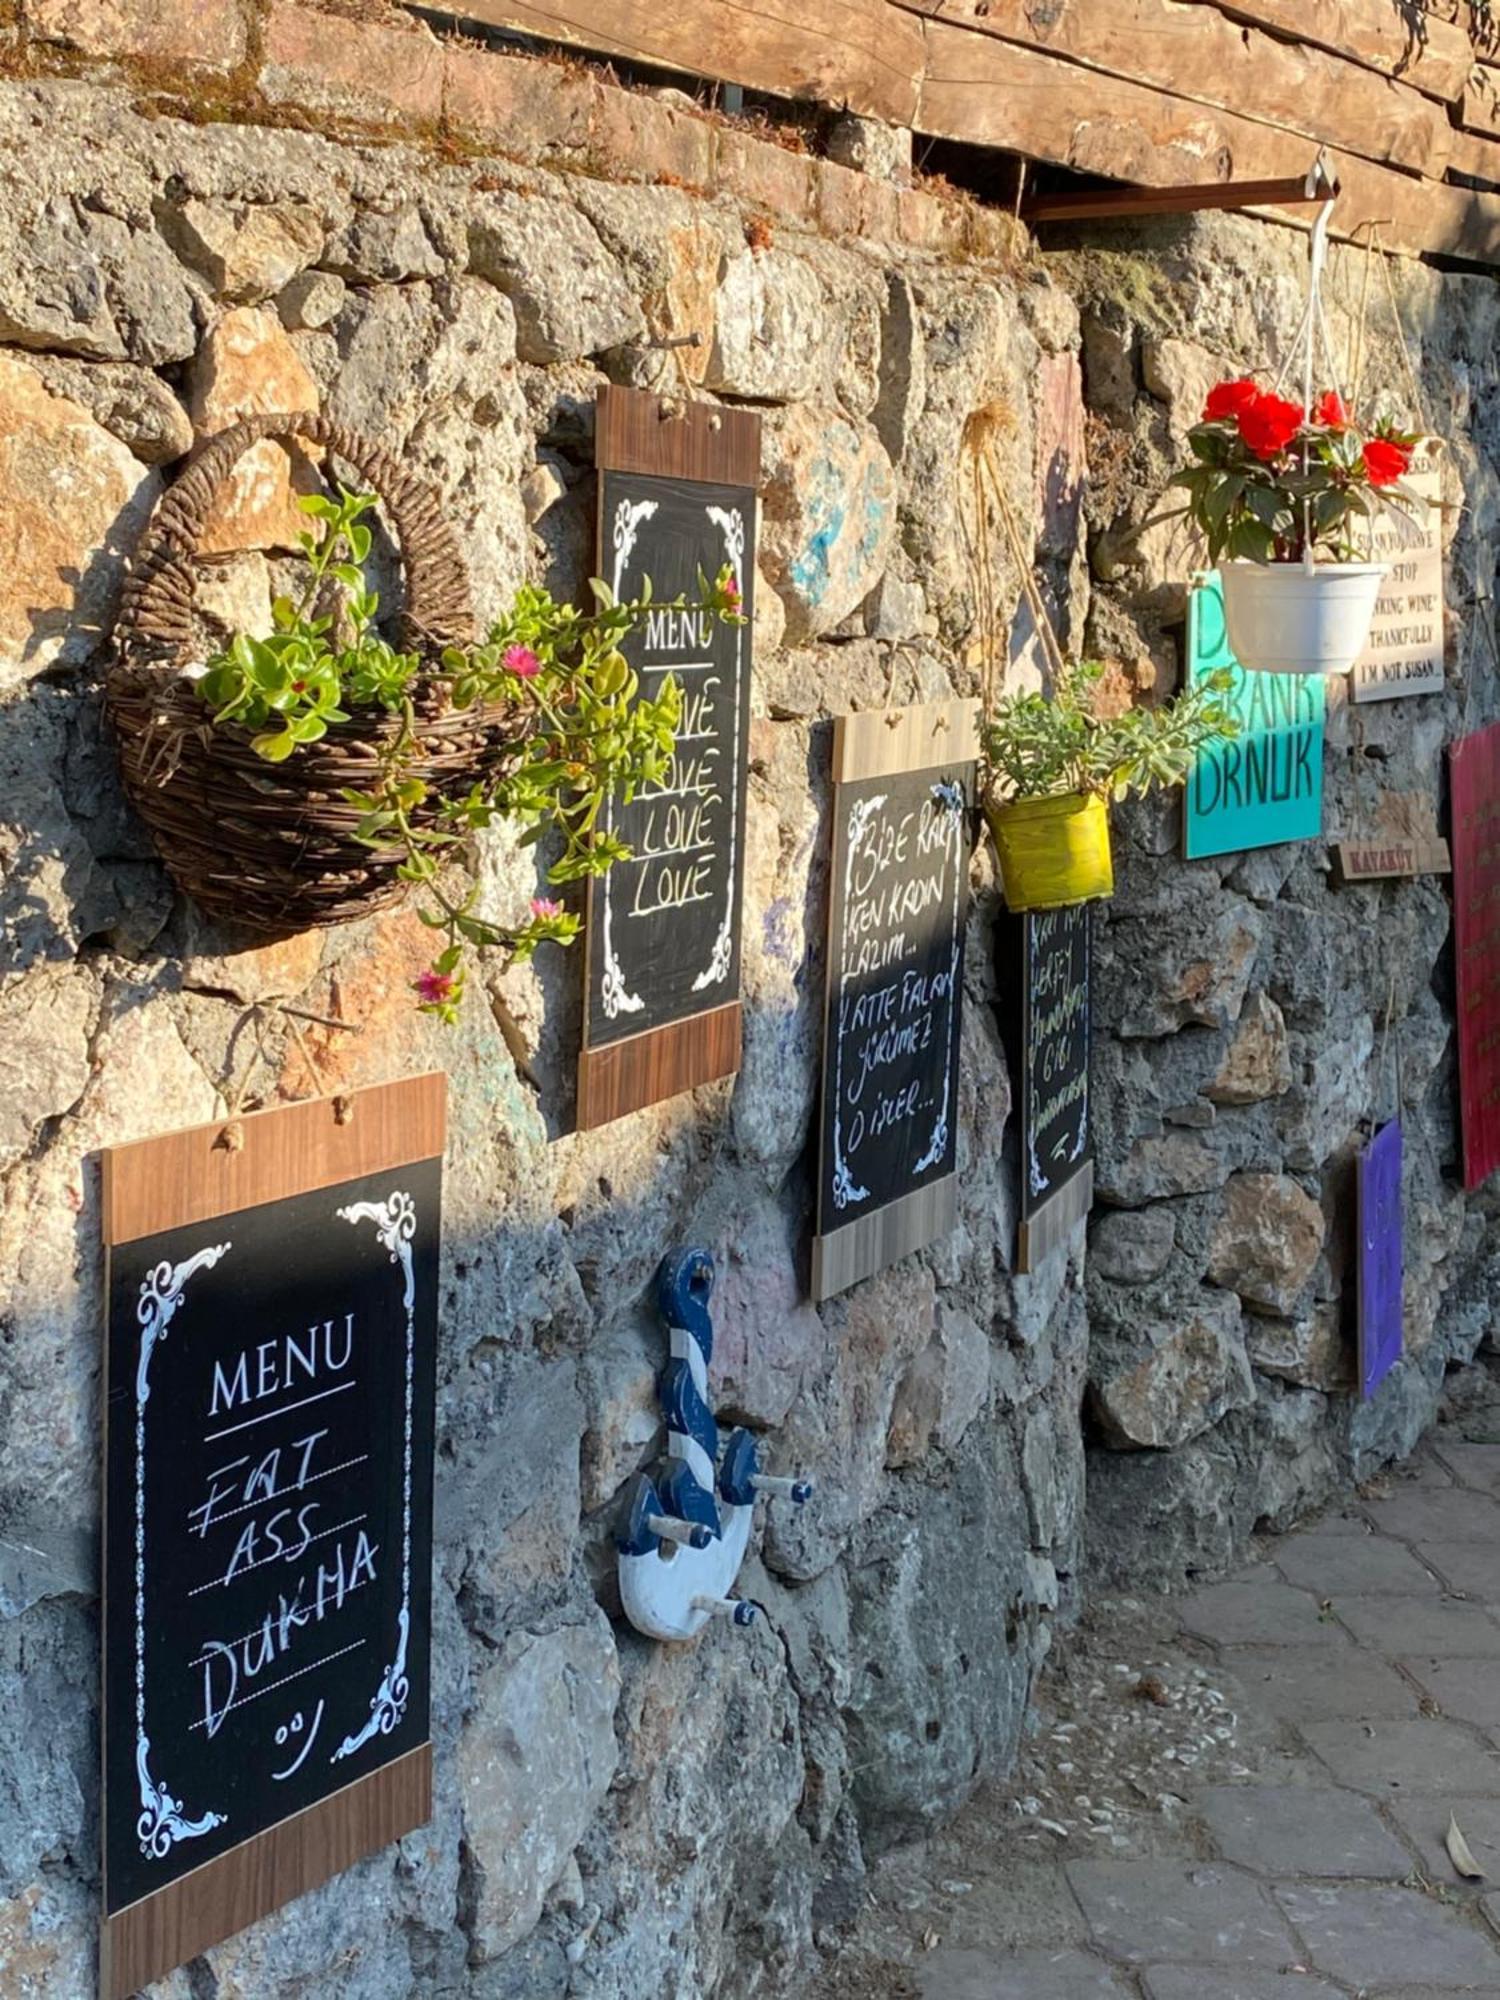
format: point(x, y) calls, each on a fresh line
point(898, 907)
point(677, 498)
point(271, 1292)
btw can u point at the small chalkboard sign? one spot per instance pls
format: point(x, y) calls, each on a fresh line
point(1057, 1180)
point(898, 910)
point(272, 1297)
point(676, 502)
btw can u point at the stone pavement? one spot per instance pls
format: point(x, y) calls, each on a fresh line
point(1355, 1675)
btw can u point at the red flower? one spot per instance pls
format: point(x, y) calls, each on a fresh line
point(1269, 424)
point(1227, 399)
point(1386, 462)
point(523, 662)
point(434, 988)
point(1331, 411)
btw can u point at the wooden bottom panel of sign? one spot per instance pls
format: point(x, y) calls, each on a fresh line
point(870, 1242)
point(1055, 1220)
point(645, 1069)
point(149, 1938)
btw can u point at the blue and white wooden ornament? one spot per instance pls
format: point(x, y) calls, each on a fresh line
point(682, 1536)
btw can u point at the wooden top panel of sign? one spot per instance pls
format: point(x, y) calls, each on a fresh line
point(635, 431)
point(210, 1170)
point(883, 742)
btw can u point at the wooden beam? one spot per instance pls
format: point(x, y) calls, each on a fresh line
point(862, 55)
point(1435, 56)
point(993, 93)
point(1102, 203)
point(1198, 53)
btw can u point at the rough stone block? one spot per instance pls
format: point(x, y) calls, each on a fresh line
point(367, 71)
point(568, 292)
point(830, 515)
point(187, 31)
point(1268, 1241)
point(763, 175)
point(1300, 1830)
point(1313, 1351)
point(1139, 1910)
point(59, 583)
point(1256, 1064)
point(870, 146)
point(1371, 1937)
point(534, 1762)
point(768, 330)
point(643, 139)
point(1178, 1373)
point(526, 109)
point(246, 251)
point(131, 403)
point(248, 366)
point(1133, 1246)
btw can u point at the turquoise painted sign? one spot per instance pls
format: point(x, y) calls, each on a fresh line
point(1266, 785)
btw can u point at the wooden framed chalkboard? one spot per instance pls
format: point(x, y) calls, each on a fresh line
point(1057, 1176)
point(897, 913)
point(676, 497)
point(272, 1301)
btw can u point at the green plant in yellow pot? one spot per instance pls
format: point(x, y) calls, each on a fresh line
point(1051, 766)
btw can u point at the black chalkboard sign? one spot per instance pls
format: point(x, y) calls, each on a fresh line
point(268, 1494)
point(676, 503)
point(898, 910)
point(665, 925)
point(1056, 1132)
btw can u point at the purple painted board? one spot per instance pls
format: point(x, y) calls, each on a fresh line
point(1378, 1190)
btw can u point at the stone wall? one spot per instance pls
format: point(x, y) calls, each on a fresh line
point(612, 1816)
point(1256, 1017)
point(452, 249)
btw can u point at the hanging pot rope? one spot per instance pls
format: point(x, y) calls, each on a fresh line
point(1313, 327)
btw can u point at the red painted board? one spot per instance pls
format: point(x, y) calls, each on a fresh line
point(1474, 775)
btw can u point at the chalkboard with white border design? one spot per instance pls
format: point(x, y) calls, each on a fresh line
point(898, 912)
point(268, 1548)
point(677, 503)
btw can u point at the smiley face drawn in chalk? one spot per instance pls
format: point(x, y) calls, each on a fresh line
point(289, 1731)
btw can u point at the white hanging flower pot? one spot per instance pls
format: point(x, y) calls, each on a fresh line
point(1286, 618)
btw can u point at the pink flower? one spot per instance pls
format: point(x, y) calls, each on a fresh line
point(732, 592)
point(434, 988)
point(522, 662)
point(543, 907)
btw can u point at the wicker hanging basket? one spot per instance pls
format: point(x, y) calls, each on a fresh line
point(271, 846)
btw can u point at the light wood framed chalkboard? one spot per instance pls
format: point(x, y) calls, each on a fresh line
point(893, 1008)
point(677, 497)
point(272, 1300)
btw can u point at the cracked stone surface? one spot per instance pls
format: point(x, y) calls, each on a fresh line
point(1242, 1794)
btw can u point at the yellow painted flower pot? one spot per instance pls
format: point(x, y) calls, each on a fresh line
point(1053, 851)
